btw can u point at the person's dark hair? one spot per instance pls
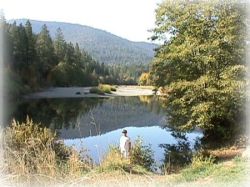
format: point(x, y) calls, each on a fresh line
point(124, 131)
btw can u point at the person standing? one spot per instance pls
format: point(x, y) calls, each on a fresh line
point(125, 144)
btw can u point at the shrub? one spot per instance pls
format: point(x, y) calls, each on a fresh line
point(106, 88)
point(140, 160)
point(96, 91)
point(144, 79)
point(113, 160)
point(142, 155)
point(30, 149)
point(102, 88)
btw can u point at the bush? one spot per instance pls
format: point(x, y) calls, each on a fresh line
point(140, 160)
point(144, 79)
point(142, 155)
point(30, 149)
point(96, 90)
point(102, 89)
point(106, 88)
point(113, 160)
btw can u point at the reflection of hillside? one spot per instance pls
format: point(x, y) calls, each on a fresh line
point(54, 113)
point(115, 113)
point(91, 115)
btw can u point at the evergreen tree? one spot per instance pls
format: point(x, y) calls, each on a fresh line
point(59, 45)
point(45, 52)
point(78, 56)
point(31, 51)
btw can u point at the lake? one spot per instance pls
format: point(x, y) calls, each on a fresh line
point(97, 123)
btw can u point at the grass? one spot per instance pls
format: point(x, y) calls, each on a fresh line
point(140, 161)
point(31, 150)
point(113, 161)
point(200, 167)
point(234, 171)
point(206, 170)
point(33, 155)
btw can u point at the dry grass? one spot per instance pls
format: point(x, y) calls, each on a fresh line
point(33, 157)
point(226, 153)
point(33, 154)
point(113, 161)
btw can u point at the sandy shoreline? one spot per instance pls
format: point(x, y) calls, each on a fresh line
point(80, 92)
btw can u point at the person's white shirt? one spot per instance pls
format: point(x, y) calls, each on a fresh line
point(125, 146)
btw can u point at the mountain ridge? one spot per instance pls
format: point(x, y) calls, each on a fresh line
point(102, 45)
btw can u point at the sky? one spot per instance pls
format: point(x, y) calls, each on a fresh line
point(130, 19)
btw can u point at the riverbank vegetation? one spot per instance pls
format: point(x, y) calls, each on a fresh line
point(202, 66)
point(200, 69)
point(35, 61)
point(102, 89)
point(33, 154)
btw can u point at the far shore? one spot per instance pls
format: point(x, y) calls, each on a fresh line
point(80, 92)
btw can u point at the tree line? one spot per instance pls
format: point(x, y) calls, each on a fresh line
point(35, 61)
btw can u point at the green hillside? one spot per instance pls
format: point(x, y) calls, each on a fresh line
point(103, 46)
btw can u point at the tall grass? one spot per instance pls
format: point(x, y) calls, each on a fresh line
point(200, 167)
point(140, 159)
point(112, 160)
point(34, 155)
point(31, 150)
point(204, 168)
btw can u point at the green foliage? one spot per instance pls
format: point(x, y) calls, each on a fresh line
point(121, 61)
point(140, 160)
point(39, 62)
point(202, 64)
point(177, 155)
point(113, 161)
point(106, 88)
point(15, 85)
point(208, 103)
point(103, 46)
point(144, 79)
point(59, 44)
point(102, 89)
point(96, 90)
point(235, 173)
point(200, 167)
point(142, 155)
point(230, 173)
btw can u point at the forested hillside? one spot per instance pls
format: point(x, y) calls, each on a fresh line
point(103, 46)
point(34, 61)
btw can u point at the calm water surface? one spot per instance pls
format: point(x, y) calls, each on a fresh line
point(95, 123)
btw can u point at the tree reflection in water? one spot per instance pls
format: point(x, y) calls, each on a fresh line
point(53, 113)
point(179, 154)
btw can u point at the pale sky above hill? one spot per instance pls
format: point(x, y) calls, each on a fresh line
point(129, 19)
